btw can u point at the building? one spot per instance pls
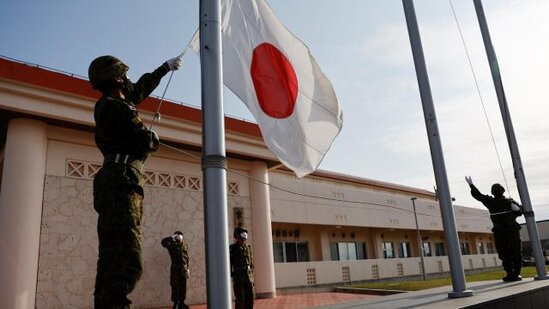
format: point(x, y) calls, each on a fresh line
point(543, 230)
point(326, 228)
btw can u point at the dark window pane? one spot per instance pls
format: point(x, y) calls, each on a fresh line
point(481, 248)
point(360, 251)
point(465, 249)
point(489, 248)
point(439, 249)
point(278, 252)
point(302, 252)
point(334, 253)
point(291, 253)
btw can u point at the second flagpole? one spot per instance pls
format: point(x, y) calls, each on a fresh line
point(437, 157)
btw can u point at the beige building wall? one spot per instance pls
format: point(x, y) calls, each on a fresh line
point(341, 203)
point(68, 240)
point(543, 230)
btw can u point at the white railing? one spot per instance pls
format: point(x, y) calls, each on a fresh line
point(327, 272)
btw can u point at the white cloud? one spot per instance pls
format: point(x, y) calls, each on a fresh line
point(384, 82)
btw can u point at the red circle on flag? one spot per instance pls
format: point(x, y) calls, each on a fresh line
point(275, 81)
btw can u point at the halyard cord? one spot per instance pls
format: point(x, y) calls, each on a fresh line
point(156, 116)
point(480, 97)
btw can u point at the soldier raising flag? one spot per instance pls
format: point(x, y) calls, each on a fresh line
point(125, 143)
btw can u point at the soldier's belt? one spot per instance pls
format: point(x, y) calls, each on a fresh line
point(124, 159)
point(242, 267)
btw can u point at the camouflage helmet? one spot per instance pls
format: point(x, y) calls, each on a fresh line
point(105, 68)
point(238, 231)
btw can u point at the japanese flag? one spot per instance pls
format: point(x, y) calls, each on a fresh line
point(275, 75)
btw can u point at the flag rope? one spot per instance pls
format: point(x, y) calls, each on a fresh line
point(480, 97)
point(157, 115)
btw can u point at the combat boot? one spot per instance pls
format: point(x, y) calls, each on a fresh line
point(516, 271)
point(509, 277)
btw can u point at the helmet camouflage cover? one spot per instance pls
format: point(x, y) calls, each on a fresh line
point(105, 68)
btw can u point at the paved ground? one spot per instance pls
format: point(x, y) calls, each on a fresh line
point(525, 294)
point(298, 301)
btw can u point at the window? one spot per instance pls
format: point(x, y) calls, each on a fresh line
point(404, 250)
point(489, 248)
point(427, 249)
point(290, 251)
point(388, 252)
point(302, 252)
point(465, 248)
point(361, 251)
point(334, 251)
point(481, 248)
point(347, 251)
point(278, 252)
point(439, 249)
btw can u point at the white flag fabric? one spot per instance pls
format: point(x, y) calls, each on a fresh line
point(275, 75)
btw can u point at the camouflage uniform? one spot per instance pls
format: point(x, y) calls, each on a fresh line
point(118, 190)
point(506, 230)
point(242, 273)
point(179, 271)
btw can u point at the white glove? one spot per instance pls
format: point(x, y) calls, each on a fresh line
point(175, 63)
point(469, 180)
point(515, 207)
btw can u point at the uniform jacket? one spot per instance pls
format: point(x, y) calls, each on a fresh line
point(179, 255)
point(119, 130)
point(502, 215)
point(242, 265)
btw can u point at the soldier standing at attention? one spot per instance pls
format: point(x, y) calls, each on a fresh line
point(179, 271)
point(242, 269)
point(125, 143)
point(503, 212)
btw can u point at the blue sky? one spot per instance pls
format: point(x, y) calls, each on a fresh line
point(363, 47)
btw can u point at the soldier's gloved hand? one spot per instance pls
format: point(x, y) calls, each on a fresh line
point(515, 207)
point(155, 140)
point(175, 63)
point(469, 180)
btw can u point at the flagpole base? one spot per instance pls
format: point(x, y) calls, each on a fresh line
point(461, 294)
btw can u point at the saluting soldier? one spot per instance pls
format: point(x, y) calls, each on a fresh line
point(242, 269)
point(503, 212)
point(125, 143)
point(179, 271)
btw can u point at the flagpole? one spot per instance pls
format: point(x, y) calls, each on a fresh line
point(214, 162)
point(513, 145)
point(445, 200)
